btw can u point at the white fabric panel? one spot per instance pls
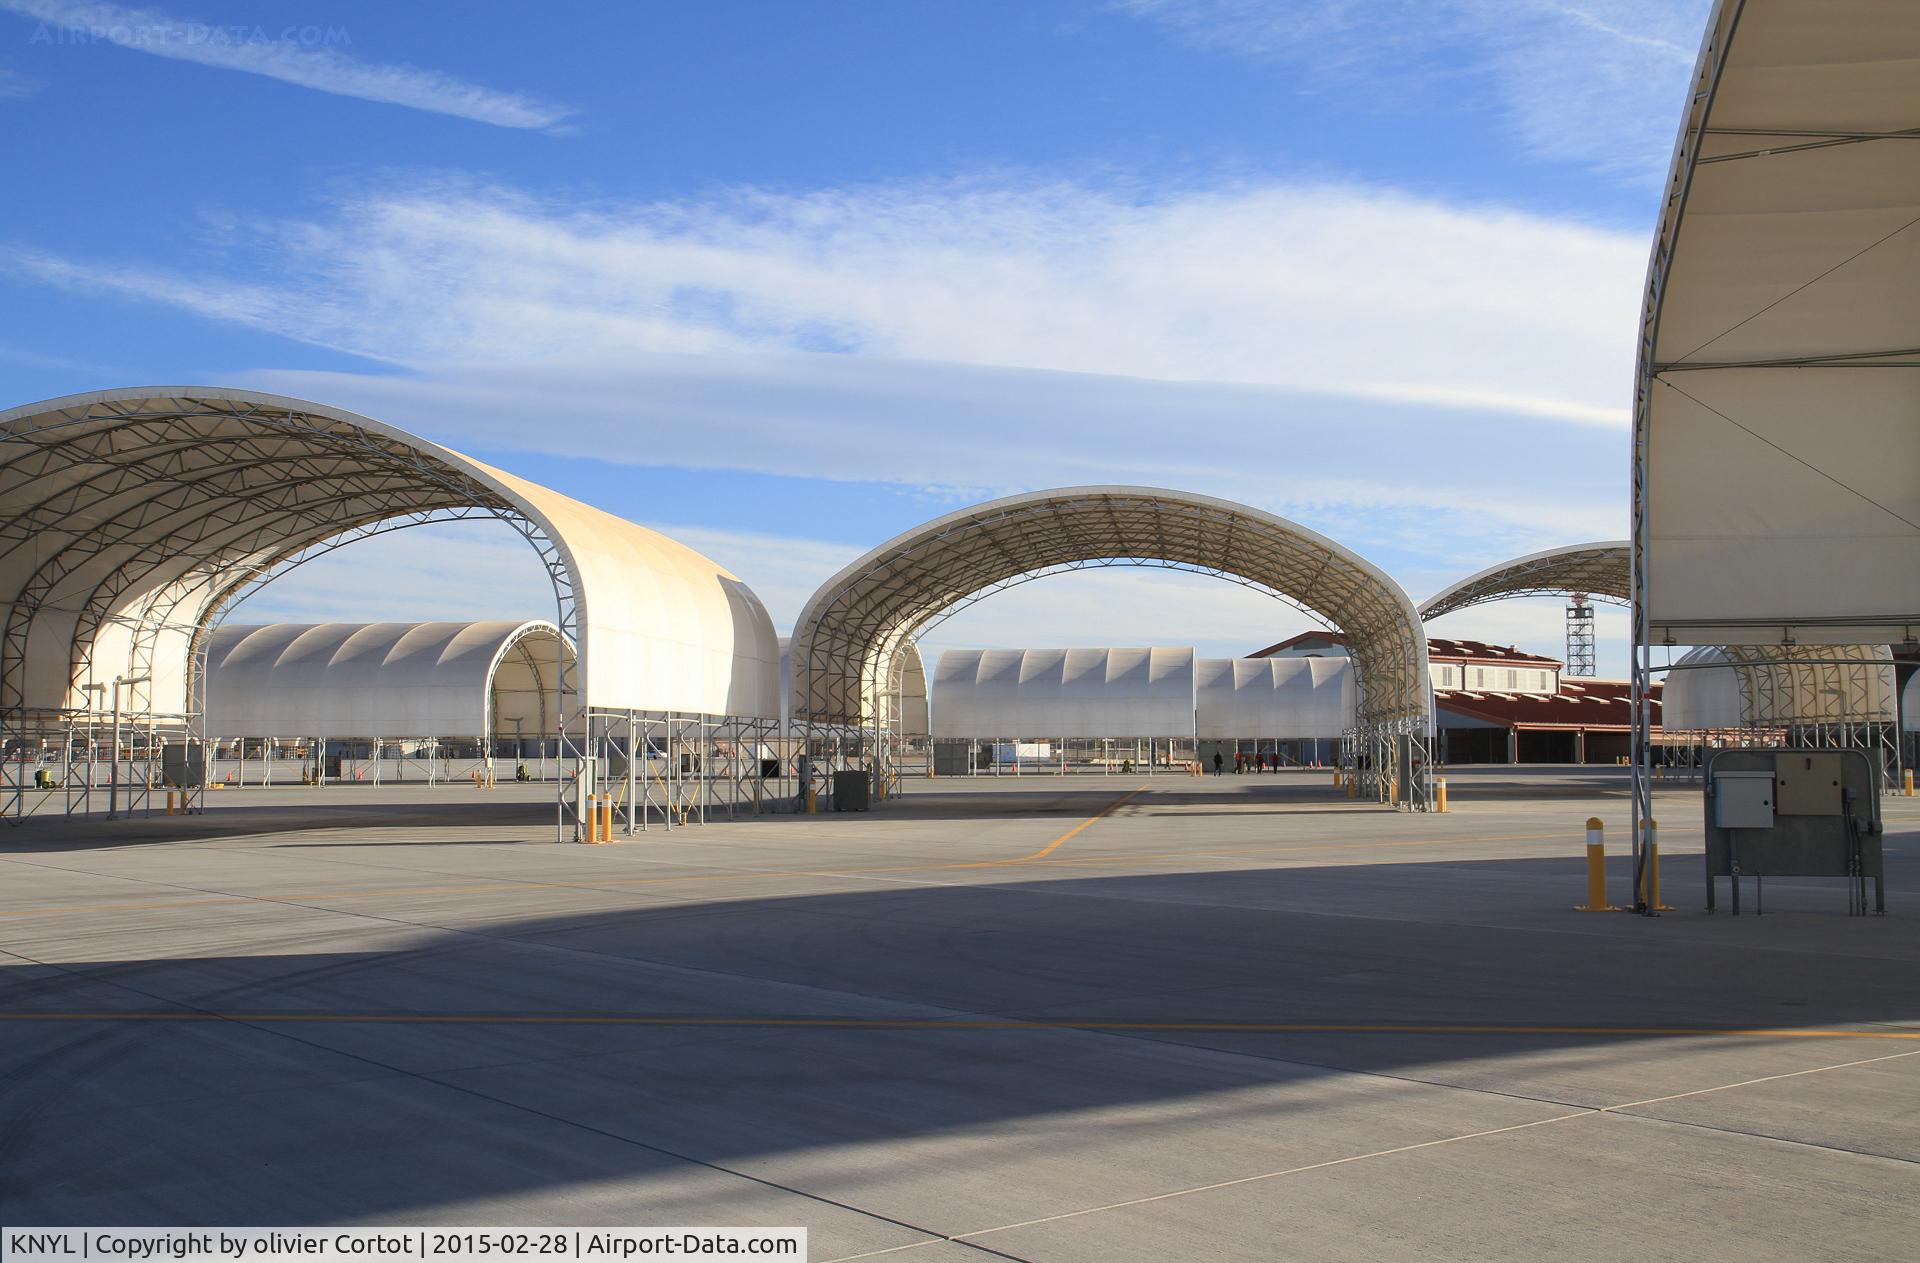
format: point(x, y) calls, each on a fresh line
point(666, 629)
point(1702, 696)
point(1910, 704)
point(1784, 497)
point(362, 679)
point(1782, 693)
point(157, 534)
point(1063, 693)
point(1278, 698)
point(911, 670)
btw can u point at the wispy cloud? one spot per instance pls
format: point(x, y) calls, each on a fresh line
point(1596, 82)
point(1342, 290)
point(13, 84)
point(1421, 380)
point(306, 55)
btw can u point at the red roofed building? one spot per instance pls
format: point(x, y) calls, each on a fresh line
point(1499, 704)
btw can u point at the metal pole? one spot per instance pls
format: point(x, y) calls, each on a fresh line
point(113, 767)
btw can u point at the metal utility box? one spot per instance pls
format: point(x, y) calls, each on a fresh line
point(1809, 783)
point(182, 765)
point(852, 790)
point(1794, 813)
point(1743, 800)
point(950, 758)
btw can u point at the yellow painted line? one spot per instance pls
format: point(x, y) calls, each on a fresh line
point(1052, 846)
point(967, 1024)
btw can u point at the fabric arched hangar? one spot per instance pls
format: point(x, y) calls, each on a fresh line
point(846, 636)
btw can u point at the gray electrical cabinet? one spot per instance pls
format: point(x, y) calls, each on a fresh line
point(182, 764)
point(1744, 800)
point(1794, 813)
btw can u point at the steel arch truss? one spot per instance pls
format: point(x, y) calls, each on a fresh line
point(847, 639)
point(130, 521)
point(1603, 571)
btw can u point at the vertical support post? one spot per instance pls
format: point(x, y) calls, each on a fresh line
point(113, 766)
point(634, 752)
point(1649, 900)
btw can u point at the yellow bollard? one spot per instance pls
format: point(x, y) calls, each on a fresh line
point(1336, 779)
point(606, 818)
point(813, 802)
point(1353, 787)
point(1907, 782)
point(1596, 869)
point(169, 802)
point(1656, 771)
point(1440, 794)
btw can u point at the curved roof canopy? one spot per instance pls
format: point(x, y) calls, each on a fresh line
point(851, 627)
point(1281, 698)
point(1773, 686)
point(1063, 693)
point(496, 678)
point(1775, 435)
point(1602, 570)
point(1704, 694)
point(130, 519)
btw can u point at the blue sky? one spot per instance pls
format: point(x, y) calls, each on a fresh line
point(785, 279)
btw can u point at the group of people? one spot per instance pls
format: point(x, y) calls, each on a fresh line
point(1263, 761)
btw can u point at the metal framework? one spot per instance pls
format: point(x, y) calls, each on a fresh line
point(1580, 657)
point(847, 638)
point(1830, 697)
point(1775, 349)
point(132, 520)
point(1600, 571)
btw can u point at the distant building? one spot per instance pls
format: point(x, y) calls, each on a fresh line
point(1499, 704)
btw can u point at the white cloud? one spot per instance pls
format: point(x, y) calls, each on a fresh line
point(1340, 290)
point(13, 84)
point(306, 55)
point(1446, 486)
point(1433, 385)
point(1597, 82)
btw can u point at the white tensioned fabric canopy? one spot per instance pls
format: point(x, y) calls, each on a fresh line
point(1601, 570)
point(130, 519)
point(1063, 693)
point(1287, 699)
point(492, 678)
point(1777, 417)
point(1749, 686)
point(851, 627)
point(1910, 704)
point(1703, 694)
